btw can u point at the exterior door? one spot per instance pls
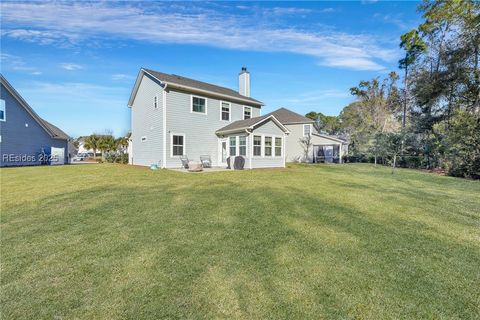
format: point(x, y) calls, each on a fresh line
point(223, 152)
point(57, 156)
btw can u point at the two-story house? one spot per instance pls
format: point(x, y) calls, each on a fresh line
point(173, 116)
point(26, 138)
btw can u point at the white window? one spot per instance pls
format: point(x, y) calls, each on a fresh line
point(278, 147)
point(3, 114)
point(178, 145)
point(225, 111)
point(155, 102)
point(257, 146)
point(307, 129)
point(268, 147)
point(199, 105)
point(233, 146)
point(247, 112)
point(143, 139)
point(242, 145)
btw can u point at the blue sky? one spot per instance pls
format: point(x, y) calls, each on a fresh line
point(76, 62)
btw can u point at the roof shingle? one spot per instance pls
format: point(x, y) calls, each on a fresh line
point(284, 116)
point(187, 82)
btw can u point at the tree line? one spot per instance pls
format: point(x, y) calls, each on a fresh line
point(112, 149)
point(431, 117)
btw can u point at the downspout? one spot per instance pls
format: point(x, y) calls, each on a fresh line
point(164, 126)
point(250, 151)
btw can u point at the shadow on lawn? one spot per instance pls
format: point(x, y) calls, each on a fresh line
point(219, 248)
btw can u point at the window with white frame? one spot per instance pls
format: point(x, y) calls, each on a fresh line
point(247, 112)
point(307, 129)
point(242, 145)
point(257, 146)
point(268, 147)
point(225, 112)
point(199, 105)
point(233, 146)
point(278, 147)
point(155, 102)
point(2, 110)
point(178, 145)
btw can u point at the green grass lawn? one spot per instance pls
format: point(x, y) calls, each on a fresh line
point(305, 242)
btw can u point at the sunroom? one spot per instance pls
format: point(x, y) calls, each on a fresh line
point(252, 143)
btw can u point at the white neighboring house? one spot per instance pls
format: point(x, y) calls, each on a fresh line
point(174, 117)
point(323, 148)
point(81, 146)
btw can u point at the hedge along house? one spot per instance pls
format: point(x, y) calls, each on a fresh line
point(26, 138)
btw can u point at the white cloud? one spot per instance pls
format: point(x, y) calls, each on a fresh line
point(16, 63)
point(71, 66)
point(72, 24)
point(290, 10)
point(121, 76)
point(327, 10)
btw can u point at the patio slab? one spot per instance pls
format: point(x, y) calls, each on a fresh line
point(205, 170)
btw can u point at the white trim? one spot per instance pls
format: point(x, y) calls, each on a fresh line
point(171, 144)
point(220, 158)
point(191, 104)
point(253, 145)
point(303, 122)
point(250, 149)
point(230, 145)
point(251, 112)
point(164, 125)
point(238, 145)
point(229, 111)
point(271, 146)
point(262, 145)
point(275, 146)
point(3, 107)
point(329, 138)
point(310, 132)
point(278, 123)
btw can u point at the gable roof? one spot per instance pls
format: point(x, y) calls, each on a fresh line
point(52, 130)
point(326, 136)
point(187, 84)
point(286, 116)
point(249, 124)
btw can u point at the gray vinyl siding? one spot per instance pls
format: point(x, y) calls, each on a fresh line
point(18, 139)
point(294, 150)
point(199, 129)
point(146, 121)
point(268, 129)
